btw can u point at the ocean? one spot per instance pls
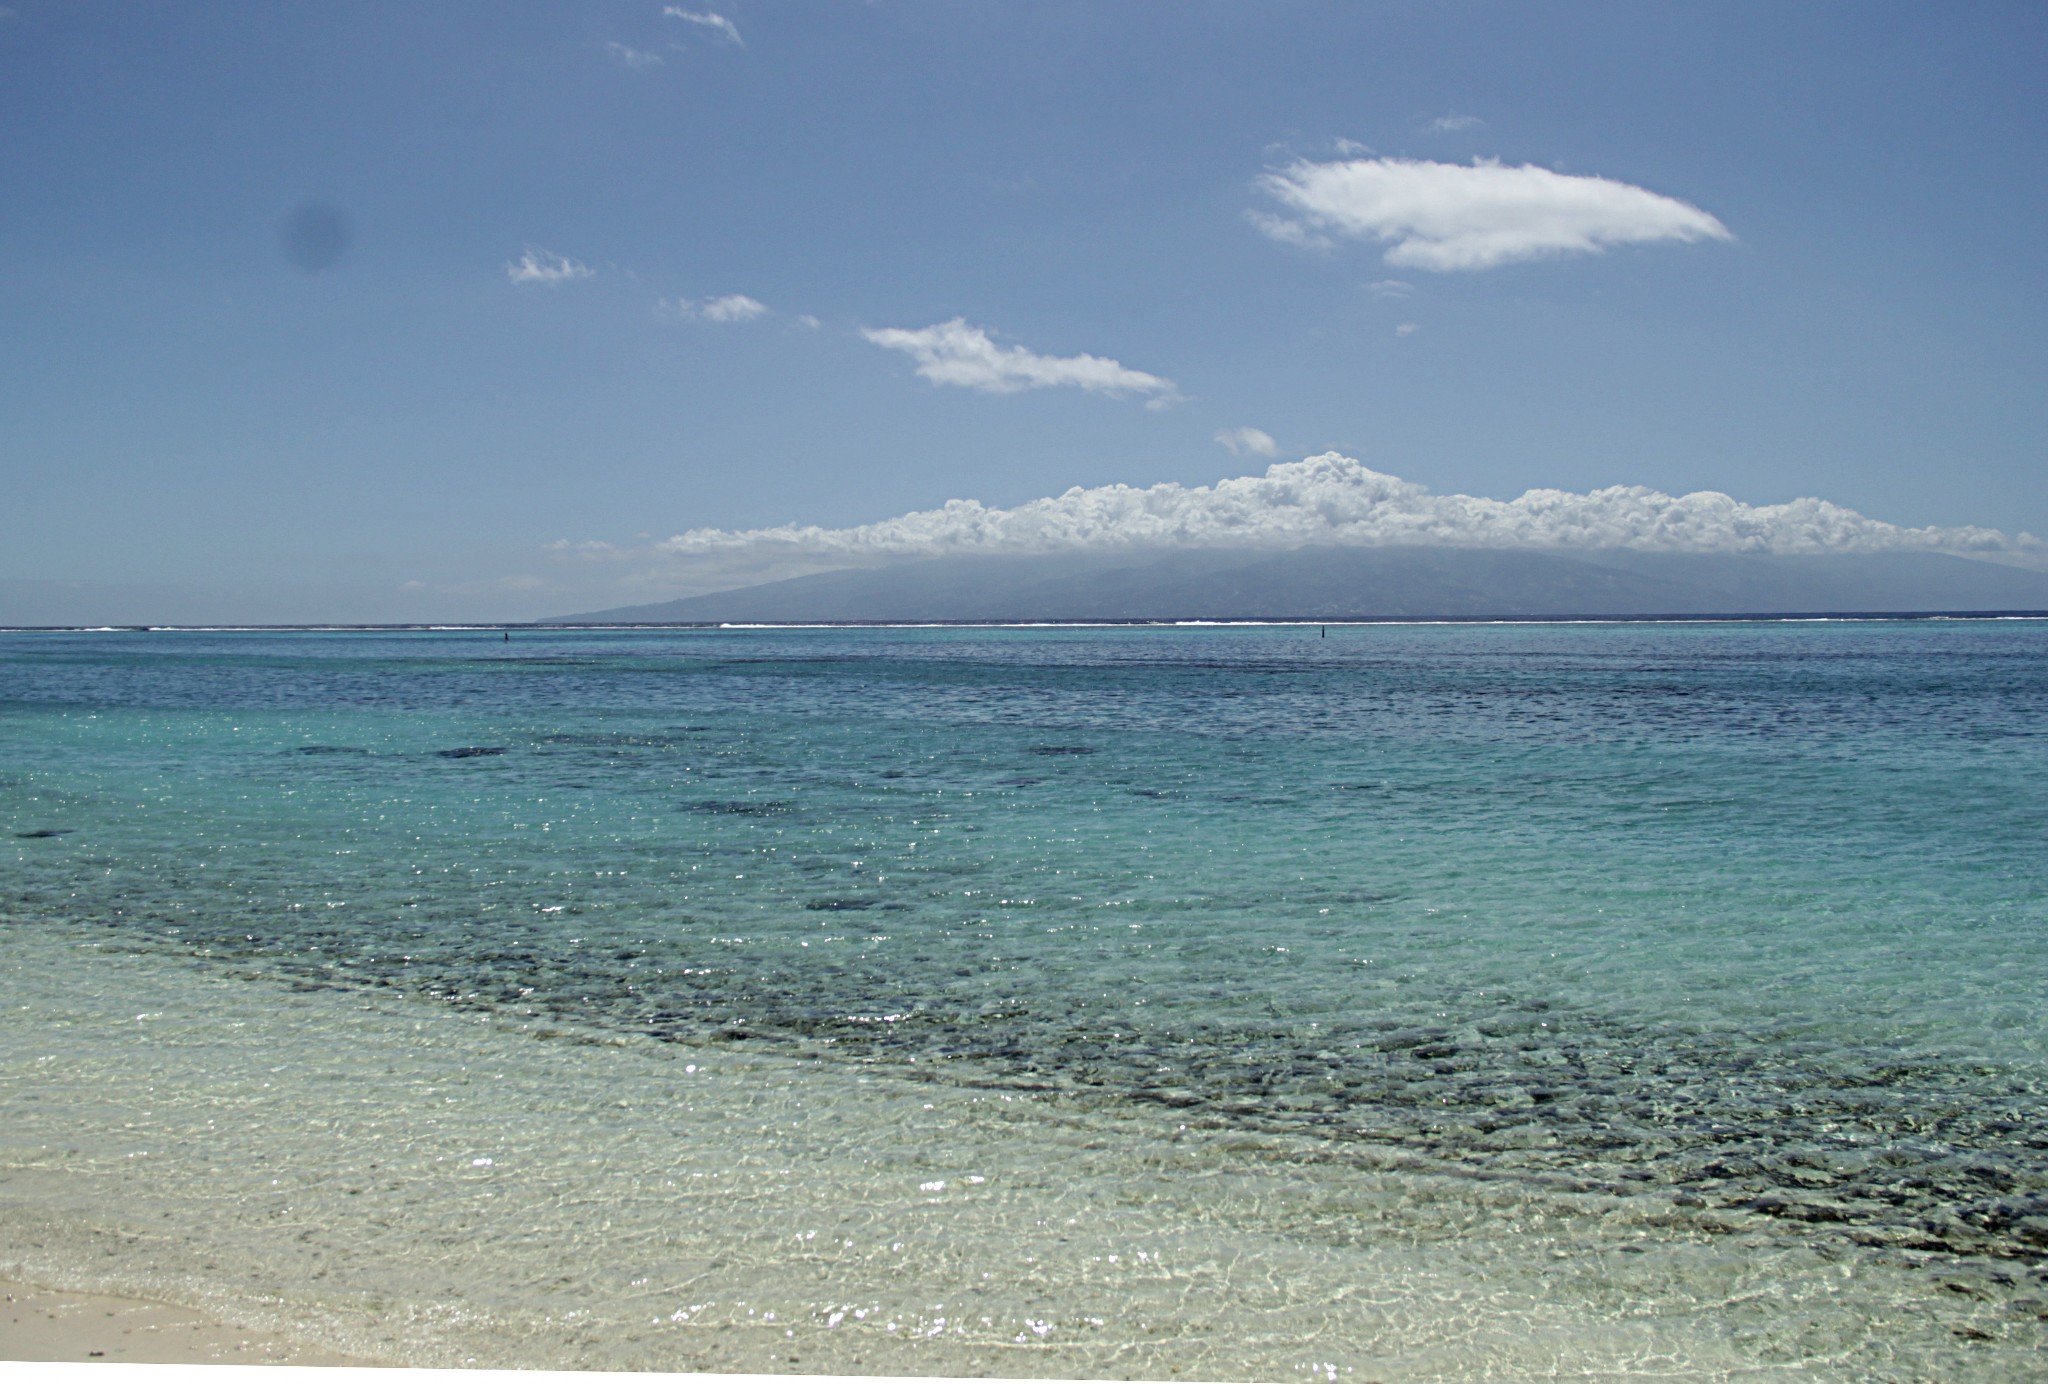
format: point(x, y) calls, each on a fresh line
point(1369, 1002)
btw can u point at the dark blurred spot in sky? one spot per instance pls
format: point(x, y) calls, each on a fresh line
point(316, 236)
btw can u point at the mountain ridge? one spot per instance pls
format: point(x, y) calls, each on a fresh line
point(1333, 583)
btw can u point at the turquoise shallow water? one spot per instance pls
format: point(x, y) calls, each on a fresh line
point(1737, 918)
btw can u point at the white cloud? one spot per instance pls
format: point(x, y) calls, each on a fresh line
point(1288, 232)
point(1391, 288)
point(955, 353)
point(706, 19)
point(634, 59)
point(1447, 216)
point(541, 267)
point(1407, 329)
point(1248, 442)
point(808, 322)
point(1451, 124)
point(1351, 148)
point(732, 307)
point(1323, 500)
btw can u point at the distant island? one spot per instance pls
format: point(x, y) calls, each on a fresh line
point(1361, 583)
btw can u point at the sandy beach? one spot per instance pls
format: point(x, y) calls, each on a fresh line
point(43, 1324)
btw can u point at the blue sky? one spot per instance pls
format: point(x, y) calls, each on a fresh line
point(602, 274)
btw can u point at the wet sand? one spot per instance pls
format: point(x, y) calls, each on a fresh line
point(46, 1325)
point(344, 1177)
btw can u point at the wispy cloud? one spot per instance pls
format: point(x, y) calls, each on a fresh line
point(1407, 329)
point(1446, 216)
point(542, 267)
point(1391, 288)
point(957, 354)
point(718, 24)
point(1248, 442)
point(1451, 124)
point(1331, 500)
point(634, 59)
point(732, 307)
point(1288, 232)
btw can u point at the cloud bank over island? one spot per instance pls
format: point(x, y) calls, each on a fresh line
point(1329, 500)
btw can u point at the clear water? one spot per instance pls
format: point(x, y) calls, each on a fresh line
point(1727, 939)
